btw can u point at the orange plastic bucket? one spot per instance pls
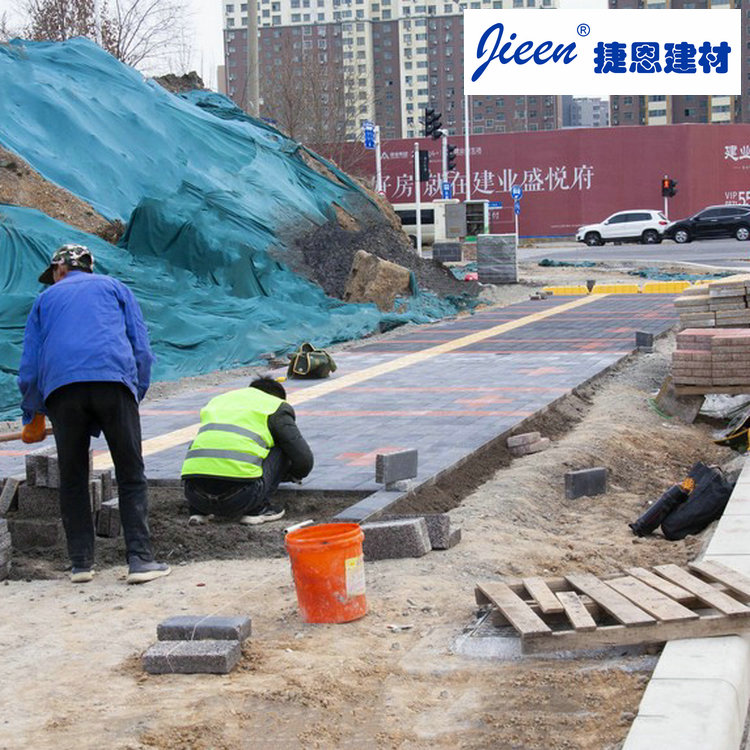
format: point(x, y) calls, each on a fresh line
point(329, 571)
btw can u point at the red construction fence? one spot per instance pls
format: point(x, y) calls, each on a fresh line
point(576, 176)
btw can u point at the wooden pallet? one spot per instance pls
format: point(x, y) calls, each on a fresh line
point(582, 611)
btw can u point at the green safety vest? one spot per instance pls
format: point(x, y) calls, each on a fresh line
point(233, 438)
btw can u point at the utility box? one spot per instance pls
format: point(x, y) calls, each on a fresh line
point(450, 219)
point(477, 218)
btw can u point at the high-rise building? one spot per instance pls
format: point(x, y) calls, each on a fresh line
point(668, 110)
point(585, 112)
point(326, 66)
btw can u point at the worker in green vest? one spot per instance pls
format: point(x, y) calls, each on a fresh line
point(248, 443)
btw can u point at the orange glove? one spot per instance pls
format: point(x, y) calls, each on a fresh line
point(35, 431)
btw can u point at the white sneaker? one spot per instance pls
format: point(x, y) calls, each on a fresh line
point(198, 520)
point(81, 575)
point(262, 516)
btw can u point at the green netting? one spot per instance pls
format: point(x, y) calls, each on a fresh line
point(208, 191)
point(195, 324)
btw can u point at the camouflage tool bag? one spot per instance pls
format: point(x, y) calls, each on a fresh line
point(309, 362)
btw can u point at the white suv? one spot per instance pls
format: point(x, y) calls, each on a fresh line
point(638, 225)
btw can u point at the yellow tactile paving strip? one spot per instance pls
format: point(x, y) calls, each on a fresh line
point(186, 434)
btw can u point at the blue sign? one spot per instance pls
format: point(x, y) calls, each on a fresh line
point(516, 191)
point(447, 192)
point(495, 204)
point(368, 133)
point(517, 207)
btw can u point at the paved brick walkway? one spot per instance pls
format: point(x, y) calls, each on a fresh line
point(445, 404)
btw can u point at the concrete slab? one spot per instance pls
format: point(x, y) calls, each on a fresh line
point(731, 538)
point(689, 714)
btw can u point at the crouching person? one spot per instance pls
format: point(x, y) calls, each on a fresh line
point(248, 442)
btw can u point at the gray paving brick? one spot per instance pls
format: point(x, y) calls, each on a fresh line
point(586, 482)
point(391, 467)
point(108, 519)
point(644, 341)
point(28, 533)
point(524, 438)
point(9, 495)
point(438, 527)
point(406, 537)
point(107, 485)
point(38, 502)
point(192, 657)
point(36, 466)
point(529, 448)
point(204, 627)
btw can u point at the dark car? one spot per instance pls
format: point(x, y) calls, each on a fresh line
point(712, 222)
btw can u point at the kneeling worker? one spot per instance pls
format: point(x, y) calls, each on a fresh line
point(247, 443)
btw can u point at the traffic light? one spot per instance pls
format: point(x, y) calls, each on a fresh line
point(432, 124)
point(668, 187)
point(451, 157)
point(424, 165)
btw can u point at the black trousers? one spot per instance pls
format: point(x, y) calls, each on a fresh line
point(240, 498)
point(77, 411)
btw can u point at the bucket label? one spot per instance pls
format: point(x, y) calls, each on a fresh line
point(355, 576)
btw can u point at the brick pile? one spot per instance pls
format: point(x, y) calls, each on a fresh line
point(719, 304)
point(712, 359)
point(527, 442)
point(197, 644)
point(36, 520)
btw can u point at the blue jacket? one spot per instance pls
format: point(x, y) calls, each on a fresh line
point(86, 327)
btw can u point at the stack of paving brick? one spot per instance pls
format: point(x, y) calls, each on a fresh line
point(527, 442)
point(712, 359)
point(191, 644)
point(36, 521)
point(719, 304)
point(395, 537)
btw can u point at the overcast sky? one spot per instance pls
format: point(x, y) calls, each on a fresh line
point(205, 23)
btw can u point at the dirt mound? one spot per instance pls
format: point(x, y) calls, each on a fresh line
point(20, 185)
point(326, 255)
point(178, 84)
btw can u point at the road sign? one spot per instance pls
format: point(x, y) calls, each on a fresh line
point(368, 133)
point(517, 207)
point(495, 204)
point(516, 191)
point(447, 192)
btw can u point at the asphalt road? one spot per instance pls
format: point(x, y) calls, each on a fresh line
point(721, 253)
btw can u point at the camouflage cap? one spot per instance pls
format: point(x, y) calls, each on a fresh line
point(73, 256)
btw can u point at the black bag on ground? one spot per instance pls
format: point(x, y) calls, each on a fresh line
point(309, 362)
point(705, 503)
point(656, 513)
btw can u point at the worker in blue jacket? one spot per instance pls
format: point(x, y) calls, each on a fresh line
point(86, 364)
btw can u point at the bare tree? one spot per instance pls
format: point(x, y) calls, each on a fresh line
point(137, 32)
point(4, 31)
point(309, 96)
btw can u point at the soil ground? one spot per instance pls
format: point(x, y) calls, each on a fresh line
point(393, 678)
